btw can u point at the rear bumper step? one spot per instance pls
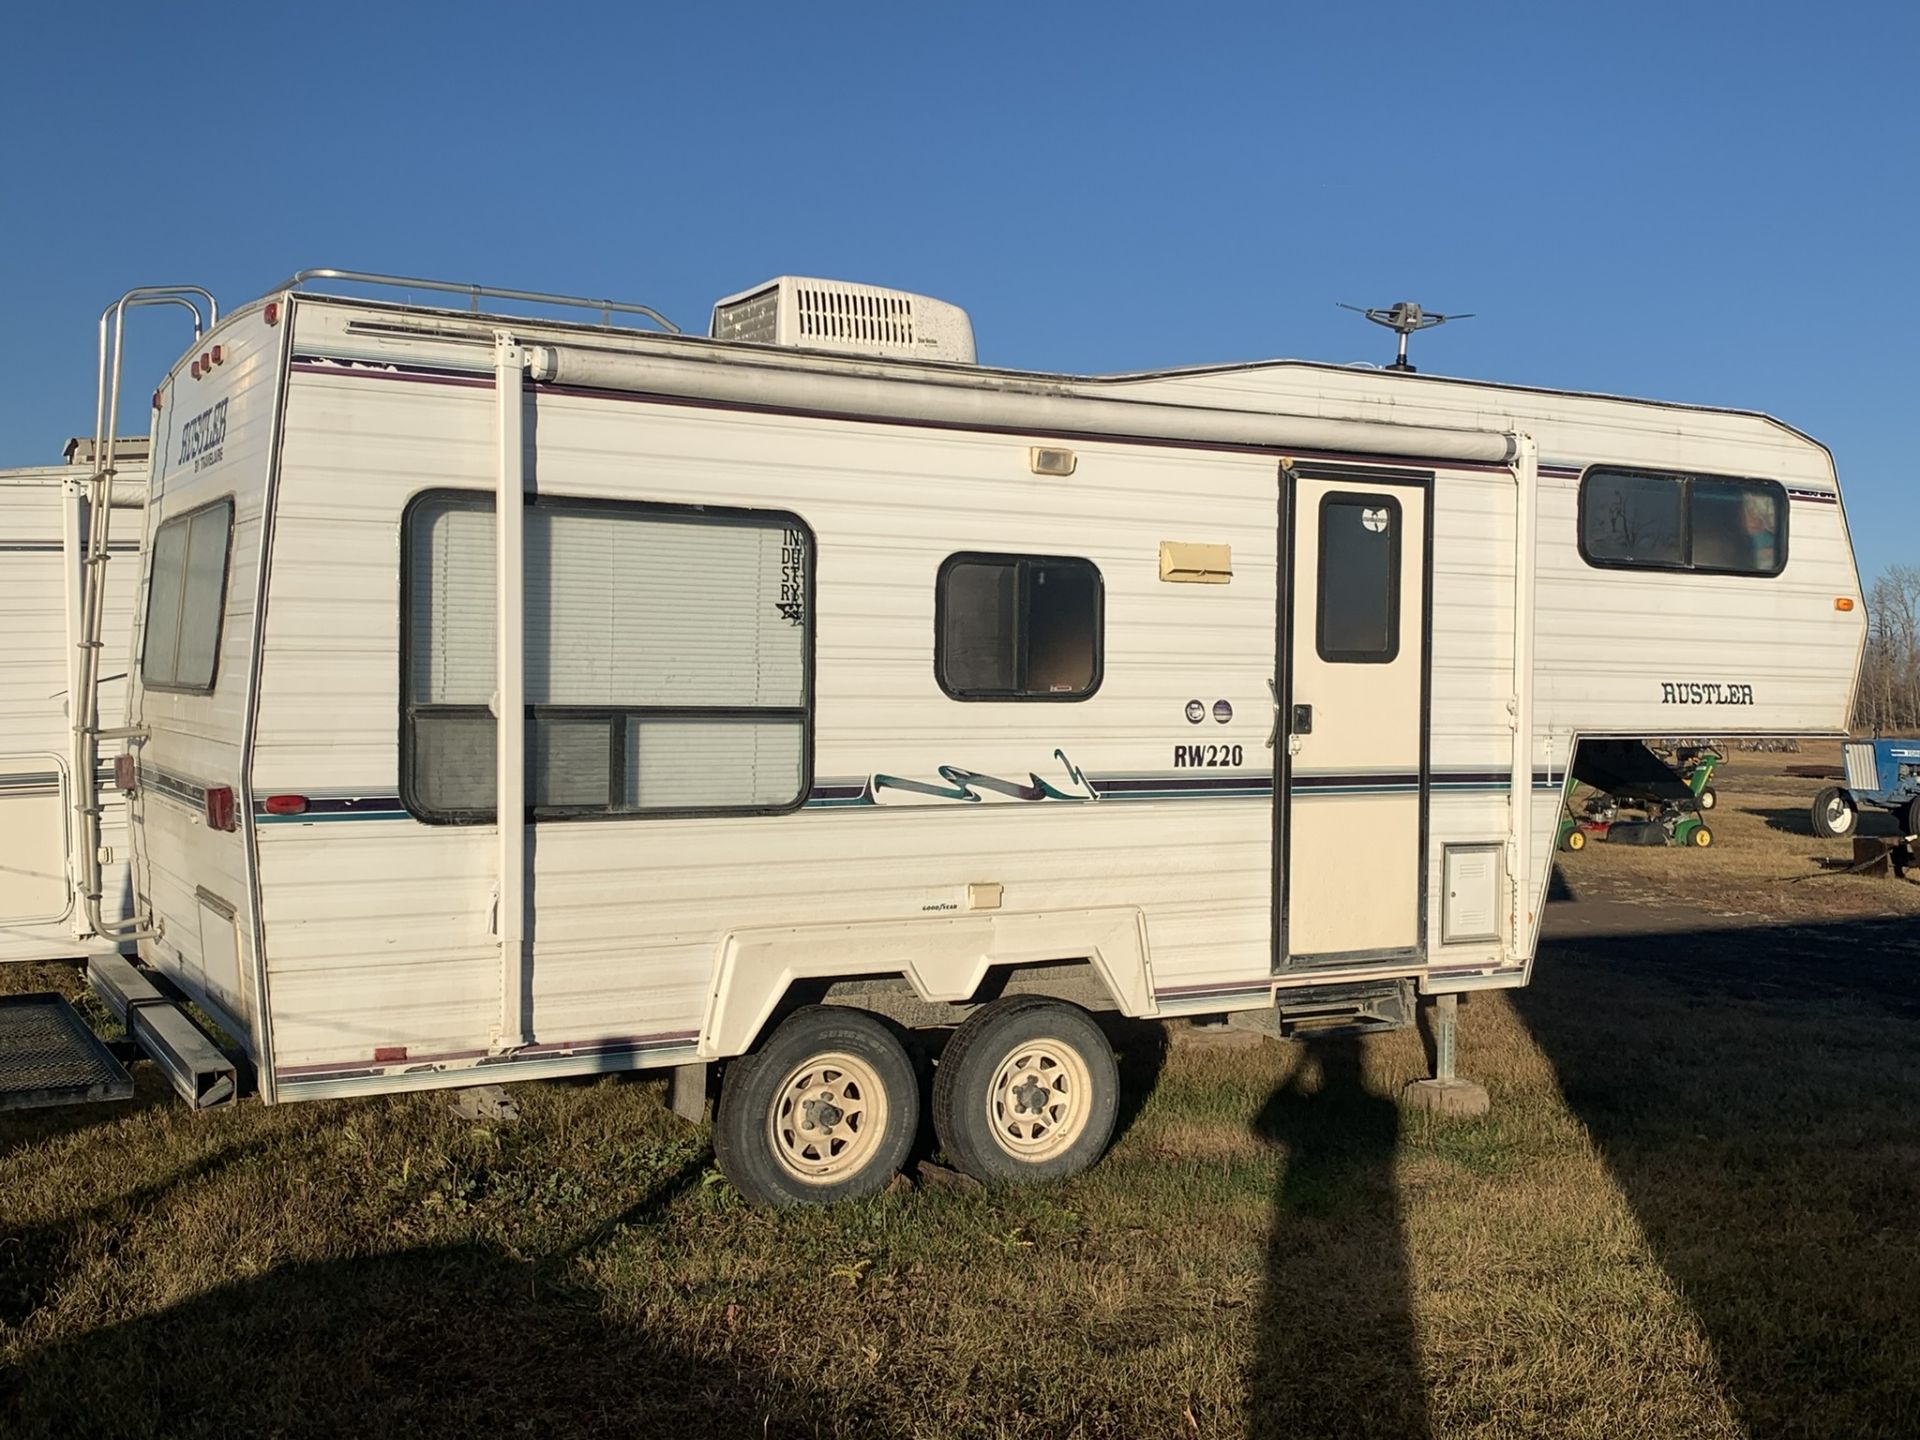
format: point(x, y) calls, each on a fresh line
point(50, 1056)
point(202, 1074)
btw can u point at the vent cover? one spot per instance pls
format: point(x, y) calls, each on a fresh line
point(851, 319)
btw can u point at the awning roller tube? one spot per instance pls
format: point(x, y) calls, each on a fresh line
point(1003, 406)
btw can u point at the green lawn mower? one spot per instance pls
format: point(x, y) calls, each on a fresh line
point(1639, 798)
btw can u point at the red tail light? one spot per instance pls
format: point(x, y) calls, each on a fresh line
point(123, 773)
point(272, 313)
point(220, 807)
point(286, 804)
point(219, 356)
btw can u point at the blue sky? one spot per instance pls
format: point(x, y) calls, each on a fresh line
point(1713, 204)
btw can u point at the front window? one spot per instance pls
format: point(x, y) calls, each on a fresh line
point(186, 595)
point(1662, 520)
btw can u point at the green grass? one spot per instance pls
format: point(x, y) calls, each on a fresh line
point(1691, 1213)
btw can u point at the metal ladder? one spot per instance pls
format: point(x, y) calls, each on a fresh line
point(85, 697)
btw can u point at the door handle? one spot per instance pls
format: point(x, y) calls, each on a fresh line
point(1302, 720)
point(1273, 731)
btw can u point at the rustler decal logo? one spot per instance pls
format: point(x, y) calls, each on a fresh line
point(202, 437)
point(1704, 692)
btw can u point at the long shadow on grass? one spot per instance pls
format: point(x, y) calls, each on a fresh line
point(1336, 1351)
point(34, 1259)
point(1756, 1095)
point(1799, 821)
point(458, 1340)
point(21, 1128)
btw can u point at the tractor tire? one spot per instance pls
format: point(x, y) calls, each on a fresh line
point(1027, 1091)
point(1701, 837)
point(1834, 814)
point(1706, 799)
point(825, 1110)
point(1576, 839)
point(1909, 817)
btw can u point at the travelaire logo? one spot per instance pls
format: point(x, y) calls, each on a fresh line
point(203, 436)
point(1704, 692)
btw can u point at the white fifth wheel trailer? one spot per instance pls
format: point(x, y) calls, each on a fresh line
point(825, 672)
point(43, 519)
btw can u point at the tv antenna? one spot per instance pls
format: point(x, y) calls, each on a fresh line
point(1403, 319)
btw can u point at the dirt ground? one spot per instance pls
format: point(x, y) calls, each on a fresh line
point(1768, 908)
point(1691, 1212)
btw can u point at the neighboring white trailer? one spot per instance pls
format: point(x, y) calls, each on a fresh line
point(43, 515)
point(842, 674)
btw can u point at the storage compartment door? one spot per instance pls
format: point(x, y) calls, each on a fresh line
point(33, 840)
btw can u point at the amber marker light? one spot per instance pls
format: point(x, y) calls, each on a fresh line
point(1843, 602)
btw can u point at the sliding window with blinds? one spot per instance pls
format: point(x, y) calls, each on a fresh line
point(667, 657)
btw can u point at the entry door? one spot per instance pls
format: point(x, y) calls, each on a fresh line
point(1353, 718)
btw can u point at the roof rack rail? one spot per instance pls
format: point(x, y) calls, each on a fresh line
point(607, 308)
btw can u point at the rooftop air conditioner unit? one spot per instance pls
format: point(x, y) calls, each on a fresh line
point(851, 319)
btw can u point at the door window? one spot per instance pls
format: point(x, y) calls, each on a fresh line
point(1359, 599)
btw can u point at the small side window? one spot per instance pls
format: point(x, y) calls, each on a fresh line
point(1661, 520)
point(1018, 627)
point(186, 599)
point(1359, 589)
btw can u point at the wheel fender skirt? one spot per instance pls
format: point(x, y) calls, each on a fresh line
point(944, 957)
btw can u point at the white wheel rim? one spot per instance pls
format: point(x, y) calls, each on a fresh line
point(1839, 816)
point(827, 1118)
point(1041, 1097)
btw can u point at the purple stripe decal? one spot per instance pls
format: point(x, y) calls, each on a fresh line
point(531, 1052)
point(1106, 785)
point(1254, 783)
point(1220, 987)
point(337, 805)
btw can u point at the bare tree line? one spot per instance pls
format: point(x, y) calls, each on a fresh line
point(1888, 701)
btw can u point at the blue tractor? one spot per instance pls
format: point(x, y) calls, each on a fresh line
point(1882, 773)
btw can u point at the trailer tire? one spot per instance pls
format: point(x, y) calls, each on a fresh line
point(1834, 814)
point(1026, 1091)
point(824, 1111)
